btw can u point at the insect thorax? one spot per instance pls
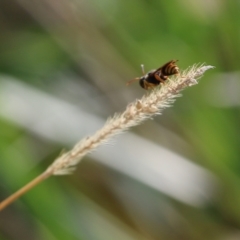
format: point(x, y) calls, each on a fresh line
point(148, 81)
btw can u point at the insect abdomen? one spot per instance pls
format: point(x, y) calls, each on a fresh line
point(170, 68)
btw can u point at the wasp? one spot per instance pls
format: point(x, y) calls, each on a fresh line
point(154, 77)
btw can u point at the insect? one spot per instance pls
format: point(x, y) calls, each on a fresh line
point(154, 77)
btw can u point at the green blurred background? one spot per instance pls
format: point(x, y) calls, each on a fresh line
point(63, 69)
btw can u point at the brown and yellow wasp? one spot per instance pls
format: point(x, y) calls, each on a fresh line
point(154, 77)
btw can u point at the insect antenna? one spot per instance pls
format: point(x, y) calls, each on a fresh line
point(142, 67)
point(138, 78)
point(131, 81)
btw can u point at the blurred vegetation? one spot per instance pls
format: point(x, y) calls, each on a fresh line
point(83, 52)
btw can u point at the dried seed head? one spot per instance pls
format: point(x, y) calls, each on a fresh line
point(151, 104)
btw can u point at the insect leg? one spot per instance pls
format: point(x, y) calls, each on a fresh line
point(161, 78)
